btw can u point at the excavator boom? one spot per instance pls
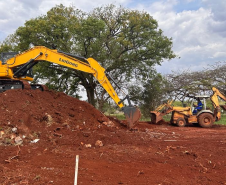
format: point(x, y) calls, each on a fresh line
point(17, 68)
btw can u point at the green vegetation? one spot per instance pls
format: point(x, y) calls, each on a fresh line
point(222, 121)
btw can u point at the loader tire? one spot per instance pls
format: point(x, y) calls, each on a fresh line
point(206, 120)
point(181, 122)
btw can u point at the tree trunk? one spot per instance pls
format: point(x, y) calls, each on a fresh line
point(90, 95)
point(101, 105)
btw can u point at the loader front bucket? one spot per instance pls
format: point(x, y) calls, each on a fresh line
point(132, 115)
point(156, 117)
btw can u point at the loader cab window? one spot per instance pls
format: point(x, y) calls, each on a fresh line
point(198, 107)
point(199, 103)
point(6, 56)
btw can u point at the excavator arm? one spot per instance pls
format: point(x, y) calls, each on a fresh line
point(16, 68)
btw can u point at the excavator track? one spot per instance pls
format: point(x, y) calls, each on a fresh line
point(7, 84)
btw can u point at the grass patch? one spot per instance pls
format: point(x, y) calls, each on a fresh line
point(121, 116)
point(222, 121)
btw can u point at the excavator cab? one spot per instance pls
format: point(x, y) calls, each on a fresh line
point(7, 55)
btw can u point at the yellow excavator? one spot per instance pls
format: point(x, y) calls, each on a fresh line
point(181, 116)
point(16, 70)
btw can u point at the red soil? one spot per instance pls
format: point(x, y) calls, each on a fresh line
point(148, 154)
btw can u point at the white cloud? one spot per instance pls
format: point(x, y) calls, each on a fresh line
point(199, 36)
point(14, 13)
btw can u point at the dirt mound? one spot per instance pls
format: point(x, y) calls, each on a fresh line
point(42, 132)
point(34, 112)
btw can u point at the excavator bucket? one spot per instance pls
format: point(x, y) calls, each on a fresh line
point(156, 116)
point(132, 115)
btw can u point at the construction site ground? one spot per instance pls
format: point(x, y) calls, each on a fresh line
point(42, 132)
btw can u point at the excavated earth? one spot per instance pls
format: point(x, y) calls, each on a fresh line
point(41, 133)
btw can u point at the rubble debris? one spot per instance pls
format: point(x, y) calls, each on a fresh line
point(35, 141)
point(88, 145)
point(1, 133)
point(14, 130)
point(99, 143)
point(18, 140)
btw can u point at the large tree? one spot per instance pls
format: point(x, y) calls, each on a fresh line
point(127, 43)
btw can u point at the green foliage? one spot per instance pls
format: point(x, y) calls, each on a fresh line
point(53, 29)
point(108, 108)
point(179, 104)
point(222, 121)
point(6, 45)
point(150, 94)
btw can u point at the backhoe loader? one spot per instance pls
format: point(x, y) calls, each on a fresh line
point(181, 116)
point(16, 70)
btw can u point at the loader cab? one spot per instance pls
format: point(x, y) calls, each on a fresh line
point(202, 98)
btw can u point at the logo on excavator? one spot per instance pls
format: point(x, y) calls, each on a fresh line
point(68, 62)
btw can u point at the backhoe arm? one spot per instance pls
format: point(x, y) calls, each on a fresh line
point(216, 94)
point(215, 101)
point(26, 60)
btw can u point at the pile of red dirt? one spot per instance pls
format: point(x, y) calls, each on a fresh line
point(42, 132)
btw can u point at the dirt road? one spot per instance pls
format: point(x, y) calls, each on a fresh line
point(42, 132)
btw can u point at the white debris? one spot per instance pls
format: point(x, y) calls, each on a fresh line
point(109, 123)
point(14, 129)
point(88, 145)
point(18, 140)
point(35, 141)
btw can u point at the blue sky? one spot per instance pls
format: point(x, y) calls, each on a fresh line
point(188, 5)
point(197, 27)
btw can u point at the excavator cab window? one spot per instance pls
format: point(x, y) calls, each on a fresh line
point(7, 55)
